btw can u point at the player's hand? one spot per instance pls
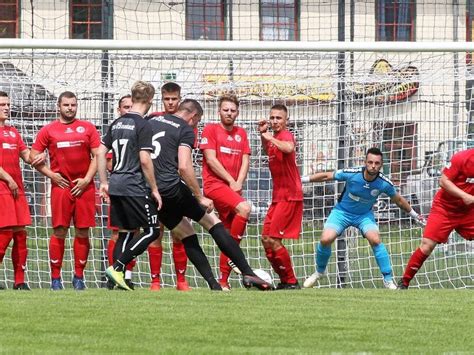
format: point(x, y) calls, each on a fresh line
point(420, 220)
point(263, 126)
point(267, 136)
point(104, 192)
point(206, 203)
point(58, 179)
point(468, 200)
point(157, 197)
point(38, 160)
point(12, 185)
point(236, 186)
point(81, 185)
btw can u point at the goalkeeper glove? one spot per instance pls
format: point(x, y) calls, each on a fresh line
point(419, 219)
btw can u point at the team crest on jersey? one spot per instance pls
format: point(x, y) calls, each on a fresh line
point(80, 129)
point(204, 140)
point(12, 134)
point(238, 138)
point(375, 192)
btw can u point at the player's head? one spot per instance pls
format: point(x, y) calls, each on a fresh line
point(67, 105)
point(191, 111)
point(373, 161)
point(143, 93)
point(4, 106)
point(278, 117)
point(228, 110)
point(171, 96)
point(124, 104)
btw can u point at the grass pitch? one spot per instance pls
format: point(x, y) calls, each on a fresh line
point(239, 322)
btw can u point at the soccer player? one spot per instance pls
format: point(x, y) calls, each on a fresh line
point(171, 97)
point(226, 152)
point(14, 211)
point(173, 142)
point(72, 146)
point(124, 105)
point(133, 203)
point(284, 217)
point(354, 208)
point(453, 209)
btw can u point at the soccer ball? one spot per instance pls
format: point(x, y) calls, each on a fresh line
point(265, 276)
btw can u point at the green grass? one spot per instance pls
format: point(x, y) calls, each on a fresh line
point(203, 322)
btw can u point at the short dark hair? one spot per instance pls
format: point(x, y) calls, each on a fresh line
point(3, 94)
point(229, 98)
point(171, 87)
point(67, 95)
point(280, 107)
point(128, 96)
point(191, 105)
point(374, 151)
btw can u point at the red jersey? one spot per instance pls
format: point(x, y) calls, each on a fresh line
point(11, 145)
point(285, 175)
point(461, 172)
point(69, 146)
point(230, 146)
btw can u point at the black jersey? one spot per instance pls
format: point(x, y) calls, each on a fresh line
point(127, 136)
point(169, 133)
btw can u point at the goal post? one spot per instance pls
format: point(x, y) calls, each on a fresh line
point(412, 100)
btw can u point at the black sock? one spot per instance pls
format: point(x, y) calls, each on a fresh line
point(135, 247)
point(230, 248)
point(123, 239)
point(199, 259)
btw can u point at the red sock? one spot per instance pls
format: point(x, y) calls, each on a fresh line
point(81, 252)
point(271, 258)
point(110, 251)
point(414, 264)
point(56, 254)
point(180, 261)
point(237, 229)
point(131, 265)
point(5, 238)
point(155, 255)
point(19, 255)
point(283, 260)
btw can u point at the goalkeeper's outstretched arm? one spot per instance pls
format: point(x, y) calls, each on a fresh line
point(401, 202)
point(318, 177)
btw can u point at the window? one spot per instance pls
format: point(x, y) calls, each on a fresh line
point(86, 19)
point(9, 18)
point(395, 20)
point(205, 19)
point(278, 20)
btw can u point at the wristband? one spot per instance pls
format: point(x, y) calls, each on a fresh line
point(305, 179)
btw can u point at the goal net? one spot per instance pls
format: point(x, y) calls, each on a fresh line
point(411, 101)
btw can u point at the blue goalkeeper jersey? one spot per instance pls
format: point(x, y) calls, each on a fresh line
point(360, 195)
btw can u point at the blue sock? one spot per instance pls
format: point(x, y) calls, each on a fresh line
point(322, 257)
point(383, 261)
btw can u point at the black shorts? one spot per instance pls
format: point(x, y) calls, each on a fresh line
point(133, 212)
point(181, 204)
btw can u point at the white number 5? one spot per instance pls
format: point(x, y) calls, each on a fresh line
point(156, 144)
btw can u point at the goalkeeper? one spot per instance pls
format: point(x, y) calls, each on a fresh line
point(354, 208)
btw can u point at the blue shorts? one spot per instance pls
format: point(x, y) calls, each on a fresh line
point(340, 220)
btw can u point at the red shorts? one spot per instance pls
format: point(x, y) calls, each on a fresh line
point(65, 207)
point(225, 201)
point(442, 222)
point(283, 220)
point(14, 212)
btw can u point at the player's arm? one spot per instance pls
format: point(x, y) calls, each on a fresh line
point(403, 204)
point(56, 178)
point(244, 169)
point(186, 171)
point(286, 147)
point(82, 183)
point(149, 173)
point(318, 177)
point(102, 169)
point(26, 157)
point(263, 128)
point(446, 184)
point(12, 185)
point(216, 166)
